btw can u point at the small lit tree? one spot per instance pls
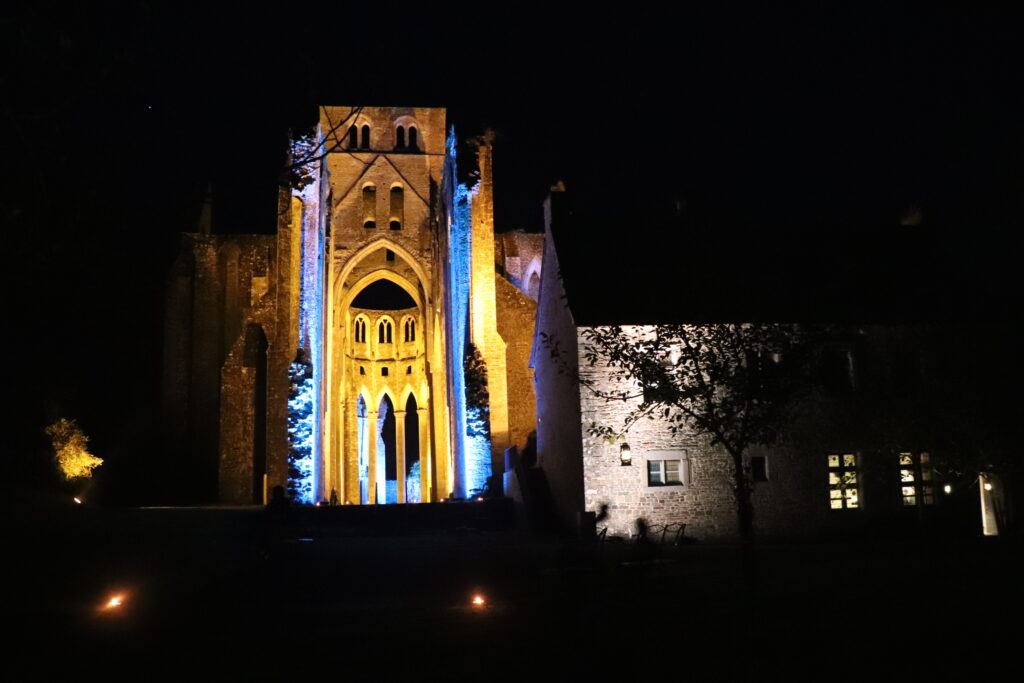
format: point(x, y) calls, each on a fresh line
point(734, 384)
point(70, 450)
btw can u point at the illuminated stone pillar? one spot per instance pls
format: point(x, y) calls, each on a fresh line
point(483, 311)
point(400, 453)
point(350, 452)
point(371, 436)
point(425, 460)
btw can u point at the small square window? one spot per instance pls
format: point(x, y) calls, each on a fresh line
point(666, 468)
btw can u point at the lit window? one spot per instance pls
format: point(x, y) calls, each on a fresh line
point(664, 473)
point(916, 479)
point(842, 481)
point(666, 468)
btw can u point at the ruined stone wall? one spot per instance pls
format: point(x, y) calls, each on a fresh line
point(516, 315)
point(255, 305)
point(520, 256)
point(559, 440)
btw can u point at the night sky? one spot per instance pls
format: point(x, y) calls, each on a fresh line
point(803, 134)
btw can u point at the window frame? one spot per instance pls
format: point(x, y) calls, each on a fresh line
point(662, 456)
point(922, 478)
point(843, 482)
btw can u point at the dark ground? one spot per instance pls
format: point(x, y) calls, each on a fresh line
point(234, 594)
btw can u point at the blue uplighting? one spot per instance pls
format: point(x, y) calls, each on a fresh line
point(303, 474)
point(473, 452)
point(301, 420)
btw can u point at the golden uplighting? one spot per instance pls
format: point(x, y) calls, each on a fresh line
point(478, 600)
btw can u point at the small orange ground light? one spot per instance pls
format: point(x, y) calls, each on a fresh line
point(114, 602)
point(478, 601)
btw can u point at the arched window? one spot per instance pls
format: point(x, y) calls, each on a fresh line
point(412, 138)
point(360, 331)
point(409, 330)
point(384, 332)
point(400, 138)
point(370, 207)
point(397, 207)
point(366, 137)
point(533, 286)
point(353, 138)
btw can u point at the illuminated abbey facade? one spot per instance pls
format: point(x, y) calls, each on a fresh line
point(342, 356)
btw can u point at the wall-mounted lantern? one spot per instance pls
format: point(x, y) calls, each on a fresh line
point(625, 455)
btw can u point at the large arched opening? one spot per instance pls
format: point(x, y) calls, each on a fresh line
point(380, 423)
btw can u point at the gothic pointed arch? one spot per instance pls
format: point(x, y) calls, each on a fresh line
point(377, 245)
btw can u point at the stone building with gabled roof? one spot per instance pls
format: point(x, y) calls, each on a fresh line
point(878, 444)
